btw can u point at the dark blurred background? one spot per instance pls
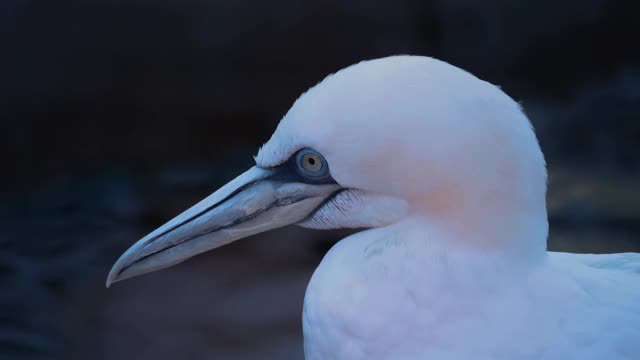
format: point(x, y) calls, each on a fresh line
point(117, 115)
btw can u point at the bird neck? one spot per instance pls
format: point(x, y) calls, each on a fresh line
point(515, 225)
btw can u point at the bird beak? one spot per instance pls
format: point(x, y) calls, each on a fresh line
point(254, 202)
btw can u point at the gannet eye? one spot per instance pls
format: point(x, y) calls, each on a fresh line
point(311, 164)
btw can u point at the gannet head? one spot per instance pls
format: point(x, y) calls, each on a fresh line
point(377, 142)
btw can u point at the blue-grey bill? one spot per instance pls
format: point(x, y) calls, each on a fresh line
point(251, 203)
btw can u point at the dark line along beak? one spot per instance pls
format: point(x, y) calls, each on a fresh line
point(254, 202)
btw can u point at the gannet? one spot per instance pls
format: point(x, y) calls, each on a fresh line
point(445, 175)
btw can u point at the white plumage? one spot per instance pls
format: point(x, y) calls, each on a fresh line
point(464, 273)
point(446, 172)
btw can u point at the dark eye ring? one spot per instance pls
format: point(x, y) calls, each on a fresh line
point(311, 164)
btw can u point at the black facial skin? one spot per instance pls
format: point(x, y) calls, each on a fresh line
point(291, 171)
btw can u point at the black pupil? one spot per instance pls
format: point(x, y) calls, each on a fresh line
point(312, 161)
